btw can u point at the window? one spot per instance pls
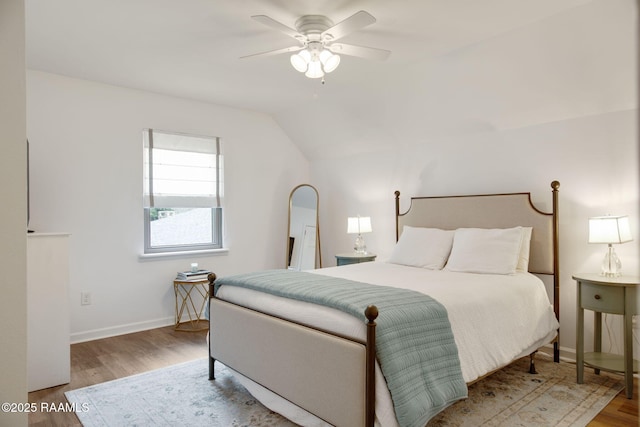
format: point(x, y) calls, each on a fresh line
point(183, 190)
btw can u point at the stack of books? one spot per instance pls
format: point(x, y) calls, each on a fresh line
point(192, 275)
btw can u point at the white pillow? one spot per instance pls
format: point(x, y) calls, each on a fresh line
point(485, 250)
point(423, 247)
point(525, 248)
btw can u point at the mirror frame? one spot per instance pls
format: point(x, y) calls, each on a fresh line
point(318, 257)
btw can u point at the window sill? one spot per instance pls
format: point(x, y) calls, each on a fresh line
point(183, 254)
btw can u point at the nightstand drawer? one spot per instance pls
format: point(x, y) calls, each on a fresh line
point(354, 258)
point(607, 299)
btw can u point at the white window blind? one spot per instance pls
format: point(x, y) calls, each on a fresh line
point(182, 170)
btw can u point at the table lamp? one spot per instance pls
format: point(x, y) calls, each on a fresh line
point(610, 229)
point(358, 225)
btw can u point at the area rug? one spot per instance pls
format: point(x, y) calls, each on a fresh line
point(183, 395)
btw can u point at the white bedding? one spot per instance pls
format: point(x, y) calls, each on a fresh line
point(494, 318)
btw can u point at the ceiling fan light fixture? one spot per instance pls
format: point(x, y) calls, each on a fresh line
point(324, 56)
point(329, 61)
point(300, 61)
point(315, 70)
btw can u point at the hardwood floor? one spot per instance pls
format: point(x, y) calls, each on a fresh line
point(620, 412)
point(107, 359)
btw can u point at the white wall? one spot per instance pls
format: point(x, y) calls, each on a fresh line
point(13, 241)
point(560, 96)
point(86, 179)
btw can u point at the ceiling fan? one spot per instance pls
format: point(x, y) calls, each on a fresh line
point(318, 50)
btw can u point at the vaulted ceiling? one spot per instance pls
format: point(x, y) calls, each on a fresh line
point(192, 49)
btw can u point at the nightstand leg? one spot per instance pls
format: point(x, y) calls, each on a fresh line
point(628, 350)
point(597, 335)
point(580, 340)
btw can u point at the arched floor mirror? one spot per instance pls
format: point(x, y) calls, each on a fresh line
point(303, 241)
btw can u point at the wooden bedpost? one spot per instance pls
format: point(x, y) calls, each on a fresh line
point(555, 185)
point(371, 313)
point(212, 361)
point(397, 193)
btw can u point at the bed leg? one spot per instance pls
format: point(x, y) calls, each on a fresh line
point(212, 373)
point(532, 365)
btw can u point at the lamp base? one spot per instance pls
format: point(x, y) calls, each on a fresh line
point(359, 246)
point(611, 265)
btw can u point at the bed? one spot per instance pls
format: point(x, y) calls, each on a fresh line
point(318, 365)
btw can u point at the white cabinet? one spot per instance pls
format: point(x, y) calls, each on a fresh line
point(48, 347)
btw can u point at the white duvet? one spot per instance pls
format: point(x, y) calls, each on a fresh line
point(494, 318)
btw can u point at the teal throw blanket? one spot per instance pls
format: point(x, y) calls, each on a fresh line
point(414, 343)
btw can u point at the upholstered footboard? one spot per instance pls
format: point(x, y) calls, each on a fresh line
point(320, 372)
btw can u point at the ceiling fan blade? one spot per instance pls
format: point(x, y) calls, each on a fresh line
point(274, 52)
point(353, 23)
point(359, 51)
point(272, 23)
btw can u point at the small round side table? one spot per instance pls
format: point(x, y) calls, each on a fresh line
point(191, 297)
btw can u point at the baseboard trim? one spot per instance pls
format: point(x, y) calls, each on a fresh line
point(129, 328)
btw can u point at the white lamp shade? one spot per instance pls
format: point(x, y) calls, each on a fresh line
point(329, 61)
point(358, 225)
point(315, 70)
point(609, 229)
point(298, 62)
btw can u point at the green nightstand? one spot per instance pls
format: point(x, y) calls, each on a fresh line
point(601, 294)
point(354, 258)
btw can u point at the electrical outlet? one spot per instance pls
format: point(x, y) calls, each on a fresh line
point(85, 298)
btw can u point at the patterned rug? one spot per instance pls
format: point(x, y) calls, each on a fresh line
point(183, 395)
